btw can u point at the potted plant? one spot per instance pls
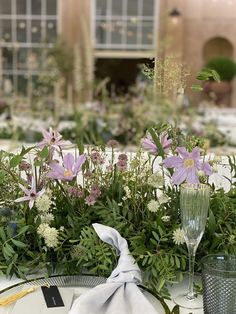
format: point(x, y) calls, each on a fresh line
point(221, 91)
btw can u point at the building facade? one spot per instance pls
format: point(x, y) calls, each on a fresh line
point(113, 36)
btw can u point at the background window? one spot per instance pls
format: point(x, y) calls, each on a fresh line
point(36, 31)
point(36, 7)
point(51, 31)
point(148, 7)
point(7, 58)
point(101, 7)
point(51, 7)
point(21, 31)
point(117, 7)
point(21, 7)
point(5, 30)
point(22, 57)
point(132, 7)
point(5, 6)
point(125, 24)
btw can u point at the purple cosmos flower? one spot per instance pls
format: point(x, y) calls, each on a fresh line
point(187, 165)
point(69, 170)
point(53, 139)
point(149, 145)
point(30, 194)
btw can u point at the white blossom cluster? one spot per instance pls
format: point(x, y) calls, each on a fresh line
point(178, 236)
point(49, 234)
point(45, 231)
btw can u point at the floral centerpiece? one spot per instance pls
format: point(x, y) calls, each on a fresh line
point(51, 194)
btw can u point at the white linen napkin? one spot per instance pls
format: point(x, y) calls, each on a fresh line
point(120, 294)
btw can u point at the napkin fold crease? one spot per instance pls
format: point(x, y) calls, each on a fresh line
point(120, 294)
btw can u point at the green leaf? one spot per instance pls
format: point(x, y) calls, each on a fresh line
point(196, 88)
point(24, 150)
point(211, 222)
point(3, 234)
point(155, 235)
point(15, 161)
point(157, 142)
point(18, 243)
point(44, 153)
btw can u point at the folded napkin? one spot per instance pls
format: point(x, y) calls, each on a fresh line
point(120, 294)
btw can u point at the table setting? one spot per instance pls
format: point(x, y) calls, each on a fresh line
point(124, 232)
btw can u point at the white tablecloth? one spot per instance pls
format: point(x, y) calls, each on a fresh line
point(175, 290)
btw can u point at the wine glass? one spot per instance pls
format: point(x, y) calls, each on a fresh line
point(194, 204)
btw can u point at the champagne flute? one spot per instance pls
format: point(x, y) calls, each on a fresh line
point(194, 204)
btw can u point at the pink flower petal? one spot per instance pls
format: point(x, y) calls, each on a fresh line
point(192, 176)
point(195, 154)
point(26, 191)
point(79, 162)
point(31, 203)
point(206, 168)
point(183, 152)
point(173, 162)
point(179, 176)
point(149, 145)
point(68, 161)
point(22, 199)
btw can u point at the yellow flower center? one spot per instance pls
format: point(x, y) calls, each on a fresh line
point(189, 163)
point(68, 173)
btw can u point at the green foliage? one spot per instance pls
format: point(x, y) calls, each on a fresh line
point(225, 67)
point(67, 243)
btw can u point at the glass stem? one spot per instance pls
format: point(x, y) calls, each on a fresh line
point(191, 251)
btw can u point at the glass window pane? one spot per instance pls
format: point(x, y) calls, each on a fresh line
point(148, 7)
point(36, 7)
point(7, 58)
point(22, 82)
point(5, 7)
point(36, 31)
point(101, 7)
point(132, 7)
point(117, 32)
point(147, 33)
point(5, 30)
point(51, 7)
point(101, 32)
point(7, 84)
point(35, 59)
point(21, 31)
point(22, 57)
point(51, 31)
point(117, 7)
point(21, 7)
point(131, 34)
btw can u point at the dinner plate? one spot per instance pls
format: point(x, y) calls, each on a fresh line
point(80, 284)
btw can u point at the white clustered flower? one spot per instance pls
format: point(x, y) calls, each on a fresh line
point(41, 229)
point(50, 235)
point(127, 191)
point(217, 158)
point(46, 218)
point(153, 206)
point(165, 218)
point(232, 239)
point(163, 199)
point(178, 236)
point(200, 173)
point(155, 180)
point(215, 168)
point(43, 203)
point(62, 228)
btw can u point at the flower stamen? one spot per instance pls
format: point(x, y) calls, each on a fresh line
point(189, 163)
point(68, 173)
